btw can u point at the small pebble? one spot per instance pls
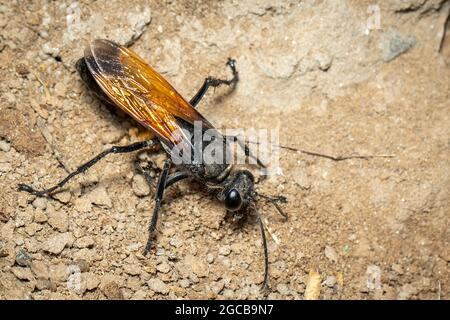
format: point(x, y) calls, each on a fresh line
point(224, 250)
point(3, 249)
point(22, 69)
point(158, 286)
point(10, 98)
point(172, 256)
point(331, 254)
point(159, 161)
point(393, 43)
point(132, 269)
point(23, 258)
point(92, 281)
point(40, 217)
point(4, 217)
point(58, 219)
point(312, 290)
point(324, 61)
point(40, 270)
point(64, 196)
point(160, 252)
point(100, 197)
point(163, 267)
point(229, 294)
point(407, 291)
point(45, 284)
point(373, 277)
point(60, 89)
point(184, 283)
point(139, 295)
point(283, 289)
point(5, 167)
point(397, 268)
point(22, 273)
point(140, 186)
point(56, 243)
point(217, 287)
point(175, 242)
point(85, 242)
point(210, 258)
point(82, 264)
point(112, 291)
point(330, 281)
point(5, 146)
point(59, 272)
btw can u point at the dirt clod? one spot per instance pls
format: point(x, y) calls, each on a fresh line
point(158, 286)
point(40, 203)
point(57, 242)
point(331, 254)
point(23, 273)
point(140, 186)
point(112, 291)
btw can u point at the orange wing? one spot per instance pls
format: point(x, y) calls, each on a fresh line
point(140, 91)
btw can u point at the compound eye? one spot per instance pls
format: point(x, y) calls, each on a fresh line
point(233, 200)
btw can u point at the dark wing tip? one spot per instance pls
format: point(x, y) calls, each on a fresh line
point(103, 57)
point(102, 47)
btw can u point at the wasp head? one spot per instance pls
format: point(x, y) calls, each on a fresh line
point(238, 190)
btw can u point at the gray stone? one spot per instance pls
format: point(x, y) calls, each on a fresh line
point(394, 43)
point(23, 259)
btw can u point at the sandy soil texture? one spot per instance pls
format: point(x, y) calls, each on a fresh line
point(336, 77)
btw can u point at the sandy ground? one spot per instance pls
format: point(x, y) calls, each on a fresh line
point(337, 77)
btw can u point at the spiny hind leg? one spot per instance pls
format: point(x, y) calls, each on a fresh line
point(215, 82)
point(116, 149)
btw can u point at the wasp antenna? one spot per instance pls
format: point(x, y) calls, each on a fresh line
point(274, 201)
point(280, 211)
point(265, 286)
point(326, 156)
point(278, 146)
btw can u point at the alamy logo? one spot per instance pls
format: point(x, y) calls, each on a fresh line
point(232, 146)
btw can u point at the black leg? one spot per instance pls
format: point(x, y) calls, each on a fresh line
point(116, 149)
point(175, 177)
point(169, 180)
point(214, 82)
point(158, 199)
